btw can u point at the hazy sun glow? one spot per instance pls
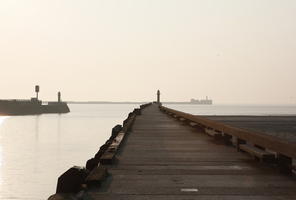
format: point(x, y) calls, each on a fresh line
point(2, 119)
point(234, 51)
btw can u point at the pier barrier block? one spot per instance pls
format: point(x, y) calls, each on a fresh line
point(92, 163)
point(116, 129)
point(257, 153)
point(96, 176)
point(137, 111)
point(109, 155)
point(107, 158)
point(128, 123)
point(61, 197)
point(182, 119)
point(284, 163)
point(102, 150)
point(213, 133)
point(99, 154)
point(193, 124)
point(71, 180)
point(239, 142)
point(227, 139)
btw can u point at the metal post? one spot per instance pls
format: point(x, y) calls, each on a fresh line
point(158, 96)
point(37, 88)
point(59, 97)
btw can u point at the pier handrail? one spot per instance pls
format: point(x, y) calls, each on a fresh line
point(270, 142)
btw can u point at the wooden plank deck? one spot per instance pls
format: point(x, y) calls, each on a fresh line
point(163, 159)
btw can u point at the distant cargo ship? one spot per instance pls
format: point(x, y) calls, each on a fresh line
point(33, 106)
point(202, 101)
point(206, 101)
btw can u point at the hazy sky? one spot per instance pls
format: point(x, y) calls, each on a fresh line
point(234, 51)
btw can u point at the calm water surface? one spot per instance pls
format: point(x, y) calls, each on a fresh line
point(35, 150)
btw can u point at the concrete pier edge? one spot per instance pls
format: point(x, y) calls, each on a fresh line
point(94, 172)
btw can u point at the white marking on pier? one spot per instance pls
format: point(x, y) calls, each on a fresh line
point(189, 190)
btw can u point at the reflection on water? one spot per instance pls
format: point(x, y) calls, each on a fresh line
point(0, 165)
point(2, 119)
point(35, 150)
point(37, 127)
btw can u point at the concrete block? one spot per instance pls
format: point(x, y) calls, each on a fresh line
point(71, 180)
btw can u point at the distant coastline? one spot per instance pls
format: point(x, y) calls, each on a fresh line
point(130, 102)
point(106, 102)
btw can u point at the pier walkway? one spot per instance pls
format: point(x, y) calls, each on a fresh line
point(164, 159)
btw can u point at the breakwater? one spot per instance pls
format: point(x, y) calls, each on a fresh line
point(77, 179)
point(169, 154)
point(29, 107)
point(34, 106)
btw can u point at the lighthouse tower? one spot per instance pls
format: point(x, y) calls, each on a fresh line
point(59, 97)
point(37, 89)
point(158, 96)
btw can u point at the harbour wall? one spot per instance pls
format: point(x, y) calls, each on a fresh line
point(79, 178)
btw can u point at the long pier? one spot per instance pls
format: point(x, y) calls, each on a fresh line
point(163, 154)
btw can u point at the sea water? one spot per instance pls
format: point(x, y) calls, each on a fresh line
point(35, 150)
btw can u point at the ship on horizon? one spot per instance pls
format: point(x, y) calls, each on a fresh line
point(205, 101)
